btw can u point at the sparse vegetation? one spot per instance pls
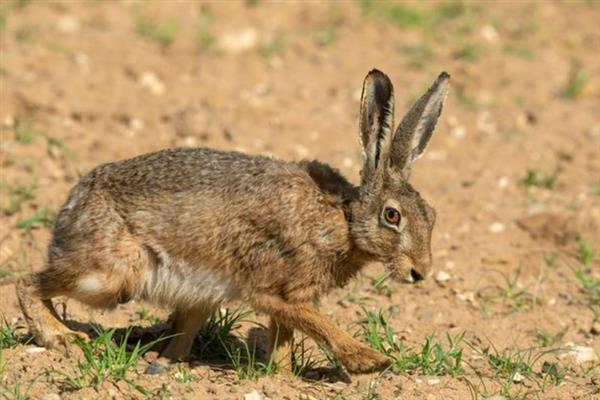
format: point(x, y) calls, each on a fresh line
point(8, 336)
point(161, 31)
point(408, 16)
point(548, 339)
point(204, 38)
point(537, 178)
point(433, 358)
point(18, 195)
point(216, 336)
point(44, 218)
point(576, 81)
point(104, 360)
point(586, 254)
point(509, 295)
point(144, 315)
point(25, 133)
point(246, 363)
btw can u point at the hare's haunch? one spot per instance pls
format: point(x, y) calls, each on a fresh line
point(195, 228)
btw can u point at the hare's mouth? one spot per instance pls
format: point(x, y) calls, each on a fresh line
point(409, 275)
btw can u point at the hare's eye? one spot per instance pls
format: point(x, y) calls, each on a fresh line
point(392, 216)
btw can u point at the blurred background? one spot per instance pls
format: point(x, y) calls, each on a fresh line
point(513, 168)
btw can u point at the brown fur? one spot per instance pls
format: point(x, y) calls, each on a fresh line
point(193, 228)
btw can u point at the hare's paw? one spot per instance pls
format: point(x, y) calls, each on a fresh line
point(364, 360)
point(60, 338)
point(63, 339)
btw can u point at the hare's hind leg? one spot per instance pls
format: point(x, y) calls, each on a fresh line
point(280, 345)
point(355, 356)
point(44, 323)
point(186, 323)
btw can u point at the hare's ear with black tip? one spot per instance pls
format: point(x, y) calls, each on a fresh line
point(413, 133)
point(376, 122)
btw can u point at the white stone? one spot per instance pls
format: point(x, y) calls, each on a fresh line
point(517, 377)
point(497, 227)
point(67, 24)
point(466, 296)
point(50, 396)
point(458, 131)
point(503, 182)
point(489, 33)
point(433, 381)
point(253, 395)
point(583, 354)
point(35, 350)
point(239, 41)
point(441, 277)
point(150, 81)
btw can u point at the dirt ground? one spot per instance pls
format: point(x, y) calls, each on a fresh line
point(513, 171)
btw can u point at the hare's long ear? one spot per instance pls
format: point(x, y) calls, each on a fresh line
point(413, 133)
point(376, 123)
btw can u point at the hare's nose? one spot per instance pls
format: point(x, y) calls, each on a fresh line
point(416, 275)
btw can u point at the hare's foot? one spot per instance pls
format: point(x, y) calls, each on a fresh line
point(45, 325)
point(58, 336)
point(280, 346)
point(363, 360)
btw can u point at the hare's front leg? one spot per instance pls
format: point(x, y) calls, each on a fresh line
point(355, 356)
point(186, 323)
point(280, 345)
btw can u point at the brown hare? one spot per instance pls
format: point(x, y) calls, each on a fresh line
point(193, 228)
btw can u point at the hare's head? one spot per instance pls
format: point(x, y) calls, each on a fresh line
point(391, 221)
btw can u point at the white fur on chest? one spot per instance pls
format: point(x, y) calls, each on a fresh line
point(178, 284)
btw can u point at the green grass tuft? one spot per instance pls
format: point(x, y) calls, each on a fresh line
point(576, 82)
point(25, 133)
point(433, 358)
point(509, 295)
point(535, 178)
point(204, 39)
point(548, 339)
point(105, 360)
point(162, 32)
point(586, 254)
point(44, 218)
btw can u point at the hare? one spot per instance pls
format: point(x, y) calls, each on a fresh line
point(193, 228)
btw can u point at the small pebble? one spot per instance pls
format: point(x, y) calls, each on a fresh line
point(583, 354)
point(517, 377)
point(150, 81)
point(67, 25)
point(50, 396)
point(489, 33)
point(240, 41)
point(433, 381)
point(35, 350)
point(441, 277)
point(466, 296)
point(497, 227)
point(253, 395)
point(503, 182)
